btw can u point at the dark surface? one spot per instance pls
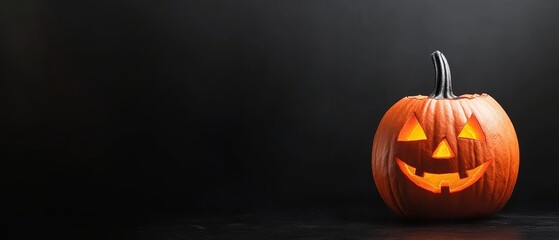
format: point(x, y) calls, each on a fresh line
point(353, 223)
point(326, 222)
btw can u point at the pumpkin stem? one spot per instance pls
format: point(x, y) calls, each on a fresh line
point(443, 83)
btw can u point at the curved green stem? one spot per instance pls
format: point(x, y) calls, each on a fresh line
point(443, 83)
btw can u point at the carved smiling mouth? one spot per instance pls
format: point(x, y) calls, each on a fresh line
point(443, 182)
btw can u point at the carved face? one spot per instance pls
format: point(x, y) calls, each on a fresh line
point(448, 182)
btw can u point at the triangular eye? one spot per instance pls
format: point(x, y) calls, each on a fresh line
point(412, 130)
point(472, 130)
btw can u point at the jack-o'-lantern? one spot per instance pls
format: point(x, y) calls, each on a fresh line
point(444, 156)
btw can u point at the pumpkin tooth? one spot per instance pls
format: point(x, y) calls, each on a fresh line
point(445, 187)
point(419, 173)
point(463, 174)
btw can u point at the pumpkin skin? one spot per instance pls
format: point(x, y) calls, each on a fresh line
point(469, 178)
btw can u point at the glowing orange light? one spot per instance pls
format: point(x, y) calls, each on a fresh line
point(412, 130)
point(472, 130)
point(443, 151)
point(450, 182)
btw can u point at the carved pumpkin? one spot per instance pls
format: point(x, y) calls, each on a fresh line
point(444, 156)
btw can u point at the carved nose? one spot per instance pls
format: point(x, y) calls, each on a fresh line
point(443, 150)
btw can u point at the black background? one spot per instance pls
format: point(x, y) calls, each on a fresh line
point(116, 109)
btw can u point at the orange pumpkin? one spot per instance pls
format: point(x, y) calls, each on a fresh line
point(444, 156)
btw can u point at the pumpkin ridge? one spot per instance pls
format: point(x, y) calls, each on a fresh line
point(504, 198)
